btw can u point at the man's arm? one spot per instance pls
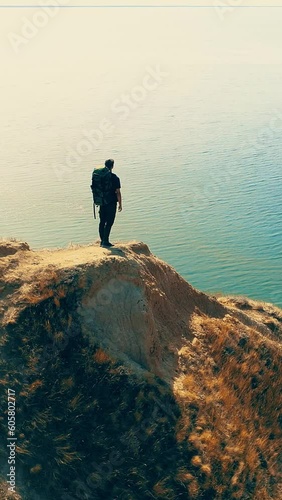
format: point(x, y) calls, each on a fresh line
point(118, 193)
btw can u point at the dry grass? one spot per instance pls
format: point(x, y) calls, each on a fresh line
point(101, 357)
point(236, 420)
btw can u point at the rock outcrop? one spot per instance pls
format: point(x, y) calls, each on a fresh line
point(12, 247)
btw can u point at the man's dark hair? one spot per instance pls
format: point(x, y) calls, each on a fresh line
point(109, 163)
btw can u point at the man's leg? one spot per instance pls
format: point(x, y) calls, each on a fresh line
point(103, 220)
point(110, 218)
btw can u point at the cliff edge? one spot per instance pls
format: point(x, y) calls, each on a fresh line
point(131, 384)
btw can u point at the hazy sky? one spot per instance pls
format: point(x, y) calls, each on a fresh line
point(116, 37)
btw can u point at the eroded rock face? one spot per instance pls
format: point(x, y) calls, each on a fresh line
point(118, 315)
point(141, 308)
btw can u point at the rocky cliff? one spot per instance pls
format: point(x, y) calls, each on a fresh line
point(131, 384)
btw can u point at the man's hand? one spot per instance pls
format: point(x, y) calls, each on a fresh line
point(118, 193)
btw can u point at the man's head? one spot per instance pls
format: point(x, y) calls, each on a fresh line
point(109, 164)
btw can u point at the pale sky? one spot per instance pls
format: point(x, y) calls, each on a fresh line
point(118, 37)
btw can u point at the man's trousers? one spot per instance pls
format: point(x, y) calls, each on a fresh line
point(107, 217)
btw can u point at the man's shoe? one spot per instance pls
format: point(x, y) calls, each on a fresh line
point(107, 244)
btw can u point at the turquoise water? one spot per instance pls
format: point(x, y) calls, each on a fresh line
point(199, 161)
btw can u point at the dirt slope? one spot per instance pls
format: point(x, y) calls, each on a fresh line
point(131, 384)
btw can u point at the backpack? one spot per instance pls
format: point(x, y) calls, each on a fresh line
point(101, 186)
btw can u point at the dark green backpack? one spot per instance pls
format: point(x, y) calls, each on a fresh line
point(101, 186)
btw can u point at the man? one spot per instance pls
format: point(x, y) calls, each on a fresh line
point(107, 212)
